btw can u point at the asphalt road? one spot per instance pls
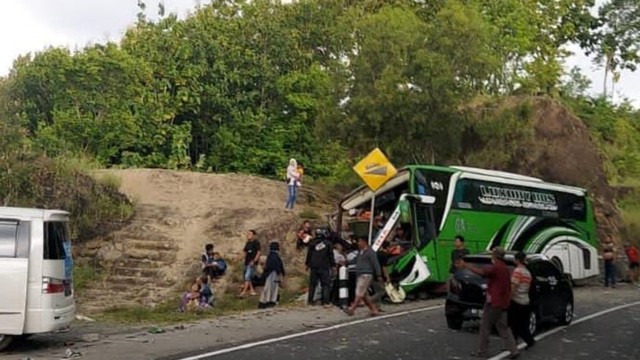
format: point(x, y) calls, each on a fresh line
point(424, 335)
point(415, 330)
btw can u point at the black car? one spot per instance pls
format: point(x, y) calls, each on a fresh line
point(551, 292)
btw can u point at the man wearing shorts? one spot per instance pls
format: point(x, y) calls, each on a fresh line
point(367, 268)
point(251, 256)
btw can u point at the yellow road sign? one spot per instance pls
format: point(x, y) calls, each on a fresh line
point(375, 169)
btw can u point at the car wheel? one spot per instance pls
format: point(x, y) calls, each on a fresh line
point(533, 322)
point(567, 317)
point(5, 341)
point(454, 322)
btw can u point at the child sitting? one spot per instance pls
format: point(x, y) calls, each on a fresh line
point(206, 294)
point(192, 297)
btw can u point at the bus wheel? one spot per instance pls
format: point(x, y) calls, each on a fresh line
point(5, 341)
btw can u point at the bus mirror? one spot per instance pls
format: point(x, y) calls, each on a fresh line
point(423, 199)
point(427, 199)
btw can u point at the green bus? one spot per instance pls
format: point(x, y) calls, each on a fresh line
point(434, 204)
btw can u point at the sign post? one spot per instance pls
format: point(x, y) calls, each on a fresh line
point(375, 170)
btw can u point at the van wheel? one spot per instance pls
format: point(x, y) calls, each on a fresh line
point(5, 341)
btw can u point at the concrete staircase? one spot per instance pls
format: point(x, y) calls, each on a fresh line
point(132, 263)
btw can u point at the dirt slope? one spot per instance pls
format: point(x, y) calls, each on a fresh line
point(556, 146)
point(177, 213)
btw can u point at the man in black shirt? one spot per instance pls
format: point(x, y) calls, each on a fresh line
point(251, 256)
point(458, 253)
point(320, 262)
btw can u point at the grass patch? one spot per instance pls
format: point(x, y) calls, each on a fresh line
point(167, 313)
point(309, 215)
point(84, 274)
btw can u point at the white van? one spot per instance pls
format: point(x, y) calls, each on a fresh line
point(35, 272)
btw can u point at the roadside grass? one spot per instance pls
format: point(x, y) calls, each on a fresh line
point(84, 274)
point(167, 312)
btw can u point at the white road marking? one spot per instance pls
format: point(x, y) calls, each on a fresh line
point(309, 332)
point(504, 354)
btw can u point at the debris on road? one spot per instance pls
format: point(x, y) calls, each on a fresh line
point(156, 330)
point(84, 318)
point(90, 337)
point(70, 354)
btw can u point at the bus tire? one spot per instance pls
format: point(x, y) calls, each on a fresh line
point(5, 341)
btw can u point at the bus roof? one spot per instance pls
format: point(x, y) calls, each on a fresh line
point(24, 213)
point(363, 194)
point(504, 177)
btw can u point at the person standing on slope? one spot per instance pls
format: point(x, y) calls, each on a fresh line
point(292, 183)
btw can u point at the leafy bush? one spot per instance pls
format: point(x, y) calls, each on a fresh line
point(96, 207)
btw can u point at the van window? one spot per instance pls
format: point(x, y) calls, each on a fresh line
point(55, 234)
point(8, 232)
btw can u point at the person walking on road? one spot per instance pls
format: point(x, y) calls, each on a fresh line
point(320, 262)
point(519, 309)
point(495, 308)
point(633, 255)
point(251, 257)
point(292, 183)
point(609, 256)
point(367, 269)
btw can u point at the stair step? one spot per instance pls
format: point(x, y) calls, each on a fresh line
point(159, 245)
point(164, 255)
point(136, 272)
point(140, 263)
point(132, 281)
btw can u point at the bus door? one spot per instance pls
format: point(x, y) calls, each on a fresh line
point(14, 268)
point(425, 235)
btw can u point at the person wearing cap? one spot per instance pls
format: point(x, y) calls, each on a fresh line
point(496, 306)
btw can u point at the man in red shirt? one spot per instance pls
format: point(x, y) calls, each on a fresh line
point(495, 308)
point(633, 255)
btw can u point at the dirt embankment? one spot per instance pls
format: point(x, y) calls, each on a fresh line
point(176, 214)
point(548, 141)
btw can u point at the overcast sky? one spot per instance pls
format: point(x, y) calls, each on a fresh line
point(31, 25)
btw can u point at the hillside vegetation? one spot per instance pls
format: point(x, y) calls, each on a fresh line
point(242, 86)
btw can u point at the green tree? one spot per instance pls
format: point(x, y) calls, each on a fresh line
point(616, 43)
